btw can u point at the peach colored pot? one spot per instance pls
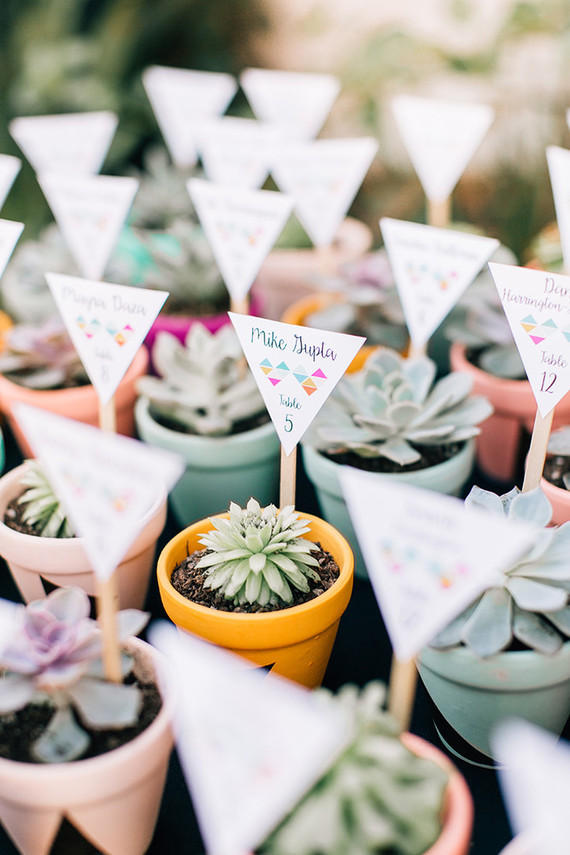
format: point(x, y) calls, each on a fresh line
point(288, 274)
point(81, 403)
point(62, 561)
point(514, 407)
point(560, 501)
point(113, 799)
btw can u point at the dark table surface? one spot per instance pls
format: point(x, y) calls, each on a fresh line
point(361, 653)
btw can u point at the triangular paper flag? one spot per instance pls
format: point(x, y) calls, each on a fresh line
point(107, 324)
point(537, 306)
point(9, 168)
point(535, 780)
point(181, 99)
point(106, 482)
point(298, 101)
point(9, 234)
point(241, 227)
point(427, 555)
point(237, 152)
point(440, 137)
point(559, 168)
point(432, 268)
point(323, 177)
point(69, 142)
point(250, 744)
point(90, 210)
point(296, 369)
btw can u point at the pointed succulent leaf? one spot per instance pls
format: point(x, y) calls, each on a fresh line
point(106, 705)
point(399, 451)
point(531, 507)
point(452, 634)
point(535, 597)
point(62, 740)
point(535, 632)
point(489, 629)
point(560, 619)
point(16, 690)
point(485, 500)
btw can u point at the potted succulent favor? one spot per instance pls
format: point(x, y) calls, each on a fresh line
point(391, 418)
point(38, 543)
point(252, 582)
point(73, 744)
point(39, 366)
point(508, 652)
point(386, 793)
point(206, 406)
point(556, 476)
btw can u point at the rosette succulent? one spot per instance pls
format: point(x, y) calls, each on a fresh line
point(53, 656)
point(42, 508)
point(41, 356)
point(257, 554)
point(377, 797)
point(205, 386)
point(162, 196)
point(530, 603)
point(392, 408)
point(557, 466)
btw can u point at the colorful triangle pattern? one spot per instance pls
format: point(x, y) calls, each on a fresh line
point(539, 332)
point(309, 382)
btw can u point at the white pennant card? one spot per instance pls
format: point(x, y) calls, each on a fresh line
point(181, 100)
point(432, 268)
point(90, 210)
point(535, 780)
point(250, 744)
point(537, 306)
point(298, 101)
point(559, 169)
point(106, 323)
point(296, 368)
point(237, 152)
point(241, 227)
point(109, 484)
point(427, 555)
point(440, 137)
point(323, 177)
point(10, 231)
point(9, 168)
point(74, 143)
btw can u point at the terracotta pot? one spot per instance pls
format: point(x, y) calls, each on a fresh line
point(113, 799)
point(80, 403)
point(514, 407)
point(296, 642)
point(62, 561)
point(288, 274)
point(560, 501)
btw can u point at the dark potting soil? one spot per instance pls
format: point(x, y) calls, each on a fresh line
point(431, 455)
point(474, 354)
point(555, 466)
point(13, 518)
point(19, 730)
point(239, 427)
point(188, 580)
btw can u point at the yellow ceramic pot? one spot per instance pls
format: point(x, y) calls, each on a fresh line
point(295, 642)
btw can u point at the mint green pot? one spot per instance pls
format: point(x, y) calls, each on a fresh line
point(218, 469)
point(448, 477)
point(474, 694)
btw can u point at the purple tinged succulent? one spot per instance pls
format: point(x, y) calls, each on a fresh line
point(52, 652)
point(41, 356)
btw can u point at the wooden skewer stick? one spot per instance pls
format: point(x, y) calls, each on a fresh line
point(415, 351)
point(288, 478)
point(537, 451)
point(325, 260)
point(107, 608)
point(403, 681)
point(107, 416)
point(240, 307)
point(439, 212)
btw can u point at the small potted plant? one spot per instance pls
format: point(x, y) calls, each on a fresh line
point(39, 366)
point(392, 419)
point(38, 543)
point(250, 581)
point(556, 477)
point(206, 407)
point(508, 652)
point(72, 743)
point(386, 793)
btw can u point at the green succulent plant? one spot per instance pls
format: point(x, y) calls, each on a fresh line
point(376, 798)
point(162, 196)
point(205, 386)
point(391, 408)
point(42, 508)
point(531, 603)
point(257, 554)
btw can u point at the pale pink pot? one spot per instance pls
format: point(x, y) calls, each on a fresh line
point(113, 799)
point(514, 407)
point(80, 403)
point(287, 275)
point(560, 501)
point(62, 561)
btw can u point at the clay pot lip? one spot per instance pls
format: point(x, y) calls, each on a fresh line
point(458, 354)
point(255, 620)
point(350, 231)
point(55, 772)
point(560, 494)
